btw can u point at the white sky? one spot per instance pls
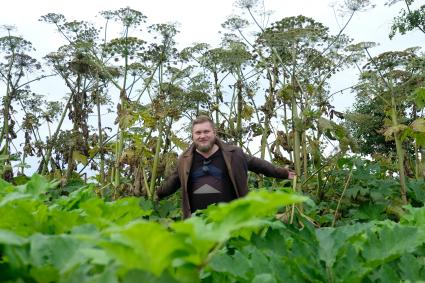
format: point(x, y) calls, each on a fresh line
point(200, 19)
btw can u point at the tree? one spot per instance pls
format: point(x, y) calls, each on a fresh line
point(73, 63)
point(16, 65)
point(390, 79)
point(305, 56)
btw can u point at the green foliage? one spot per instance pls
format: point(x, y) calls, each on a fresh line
point(419, 96)
point(408, 20)
point(81, 237)
point(369, 194)
point(353, 253)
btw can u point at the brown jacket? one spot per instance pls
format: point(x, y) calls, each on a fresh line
point(237, 162)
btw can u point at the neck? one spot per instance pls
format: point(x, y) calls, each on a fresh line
point(208, 153)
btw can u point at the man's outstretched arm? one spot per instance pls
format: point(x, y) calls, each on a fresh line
point(261, 166)
point(170, 185)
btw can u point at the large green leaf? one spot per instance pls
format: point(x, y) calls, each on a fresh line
point(10, 238)
point(45, 273)
point(143, 245)
point(412, 267)
point(60, 221)
point(76, 198)
point(419, 95)
point(418, 125)
point(52, 250)
point(237, 265)
point(199, 236)
point(4, 186)
point(391, 241)
point(331, 240)
point(119, 212)
point(23, 216)
point(247, 212)
point(38, 185)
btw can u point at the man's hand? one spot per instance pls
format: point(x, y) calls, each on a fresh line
point(291, 174)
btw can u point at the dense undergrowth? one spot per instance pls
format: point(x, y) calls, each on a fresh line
point(75, 236)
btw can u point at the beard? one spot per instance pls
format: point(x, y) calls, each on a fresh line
point(205, 148)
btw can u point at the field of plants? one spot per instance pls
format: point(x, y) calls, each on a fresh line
point(78, 173)
point(83, 238)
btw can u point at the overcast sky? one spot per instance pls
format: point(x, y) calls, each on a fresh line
point(200, 21)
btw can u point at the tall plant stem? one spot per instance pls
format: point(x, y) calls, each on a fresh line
point(100, 133)
point(294, 190)
point(118, 151)
point(295, 119)
point(342, 195)
point(5, 130)
point(154, 171)
point(217, 97)
point(400, 153)
point(156, 158)
point(239, 111)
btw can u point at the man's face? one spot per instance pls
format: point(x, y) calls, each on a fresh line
point(203, 135)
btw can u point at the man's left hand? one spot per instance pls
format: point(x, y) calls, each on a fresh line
point(291, 174)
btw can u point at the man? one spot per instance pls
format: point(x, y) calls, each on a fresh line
point(210, 171)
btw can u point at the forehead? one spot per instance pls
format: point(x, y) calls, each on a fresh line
point(202, 126)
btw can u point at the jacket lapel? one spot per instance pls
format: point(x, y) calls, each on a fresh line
point(185, 165)
point(227, 156)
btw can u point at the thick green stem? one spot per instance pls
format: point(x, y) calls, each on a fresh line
point(295, 119)
point(156, 158)
point(217, 97)
point(317, 161)
point(417, 162)
point(5, 130)
point(347, 182)
point(118, 152)
point(266, 130)
point(100, 132)
point(23, 163)
point(154, 170)
point(305, 157)
point(269, 109)
point(297, 141)
point(239, 112)
point(400, 152)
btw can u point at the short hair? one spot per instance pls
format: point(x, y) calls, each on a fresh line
point(202, 119)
